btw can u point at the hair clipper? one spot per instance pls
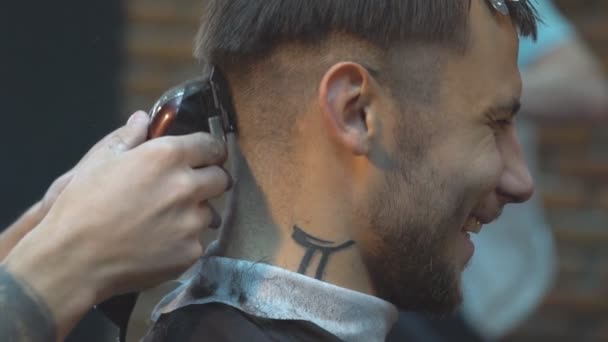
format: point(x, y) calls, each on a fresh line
point(200, 105)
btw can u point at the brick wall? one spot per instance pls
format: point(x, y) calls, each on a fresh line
point(159, 47)
point(574, 162)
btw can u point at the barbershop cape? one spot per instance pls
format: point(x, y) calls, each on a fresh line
point(237, 300)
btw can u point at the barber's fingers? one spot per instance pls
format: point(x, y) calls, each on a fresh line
point(198, 149)
point(197, 187)
point(132, 134)
point(210, 182)
point(122, 139)
point(208, 217)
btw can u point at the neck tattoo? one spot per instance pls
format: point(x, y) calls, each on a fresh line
point(314, 245)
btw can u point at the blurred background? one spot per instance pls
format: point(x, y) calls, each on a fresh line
point(71, 71)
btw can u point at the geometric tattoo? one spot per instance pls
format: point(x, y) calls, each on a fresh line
point(314, 245)
point(23, 316)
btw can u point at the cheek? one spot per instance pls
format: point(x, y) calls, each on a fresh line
point(469, 166)
point(470, 173)
point(484, 164)
point(488, 168)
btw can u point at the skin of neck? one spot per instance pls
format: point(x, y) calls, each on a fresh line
point(313, 189)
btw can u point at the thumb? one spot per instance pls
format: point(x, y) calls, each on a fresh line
point(131, 135)
point(124, 138)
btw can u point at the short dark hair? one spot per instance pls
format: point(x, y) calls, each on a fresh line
point(236, 31)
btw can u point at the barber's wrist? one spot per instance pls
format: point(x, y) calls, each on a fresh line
point(60, 277)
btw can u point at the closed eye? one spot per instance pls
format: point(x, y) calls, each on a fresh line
point(504, 122)
point(503, 114)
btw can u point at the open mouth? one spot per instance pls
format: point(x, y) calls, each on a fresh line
point(472, 225)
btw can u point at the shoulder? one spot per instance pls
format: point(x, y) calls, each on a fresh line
point(216, 322)
point(208, 322)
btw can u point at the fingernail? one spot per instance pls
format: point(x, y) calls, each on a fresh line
point(137, 117)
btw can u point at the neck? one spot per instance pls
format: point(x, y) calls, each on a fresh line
point(299, 225)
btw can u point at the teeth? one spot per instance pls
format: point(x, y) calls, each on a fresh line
point(473, 225)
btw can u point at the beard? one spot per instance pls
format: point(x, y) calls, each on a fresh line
point(408, 257)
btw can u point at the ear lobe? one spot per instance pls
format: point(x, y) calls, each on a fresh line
point(344, 97)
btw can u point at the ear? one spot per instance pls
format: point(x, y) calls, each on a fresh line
point(345, 95)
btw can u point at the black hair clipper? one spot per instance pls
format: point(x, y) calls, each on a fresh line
point(200, 105)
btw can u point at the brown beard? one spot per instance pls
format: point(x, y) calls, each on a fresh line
point(412, 274)
point(407, 259)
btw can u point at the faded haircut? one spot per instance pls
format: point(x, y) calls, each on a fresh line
point(235, 32)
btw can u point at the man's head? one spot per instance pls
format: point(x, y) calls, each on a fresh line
point(401, 108)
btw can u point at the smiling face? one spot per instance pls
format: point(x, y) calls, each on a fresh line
point(456, 160)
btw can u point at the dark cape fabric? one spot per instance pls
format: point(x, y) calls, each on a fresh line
point(270, 303)
point(216, 322)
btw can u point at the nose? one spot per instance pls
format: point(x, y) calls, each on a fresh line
point(515, 184)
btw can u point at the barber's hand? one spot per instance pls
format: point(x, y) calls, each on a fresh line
point(128, 219)
point(34, 215)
